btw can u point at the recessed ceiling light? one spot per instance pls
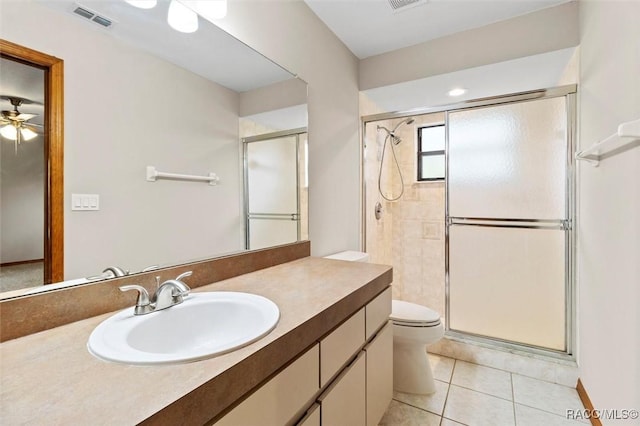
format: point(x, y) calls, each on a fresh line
point(457, 91)
point(181, 18)
point(143, 4)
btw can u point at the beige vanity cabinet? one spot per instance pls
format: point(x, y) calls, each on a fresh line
point(337, 348)
point(283, 398)
point(344, 402)
point(345, 379)
point(379, 376)
point(312, 417)
point(363, 390)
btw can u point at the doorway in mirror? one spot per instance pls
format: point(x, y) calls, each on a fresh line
point(31, 168)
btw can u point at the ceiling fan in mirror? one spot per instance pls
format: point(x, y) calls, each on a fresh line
point(14, 125)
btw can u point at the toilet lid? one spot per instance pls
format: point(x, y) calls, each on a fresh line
point(413, 314)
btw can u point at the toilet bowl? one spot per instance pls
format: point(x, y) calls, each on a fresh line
point(414, 327)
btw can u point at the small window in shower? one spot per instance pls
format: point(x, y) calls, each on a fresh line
point(431, 144)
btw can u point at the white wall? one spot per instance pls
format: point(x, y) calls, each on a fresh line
point(546, 30)
point(609, 207)
point(125, 110)
point(290, 33)
point(273, 97)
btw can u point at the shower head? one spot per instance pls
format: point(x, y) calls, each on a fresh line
point(396, 139)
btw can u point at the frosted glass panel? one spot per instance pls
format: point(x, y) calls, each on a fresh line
point(508, 283)
point(268, 233)
point(509, 161)
point(272, 179)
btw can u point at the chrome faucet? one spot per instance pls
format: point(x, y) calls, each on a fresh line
point(169, 293)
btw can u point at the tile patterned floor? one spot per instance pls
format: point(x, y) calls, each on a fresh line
point(471, 394)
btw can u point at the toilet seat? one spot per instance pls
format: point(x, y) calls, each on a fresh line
point(409, 314)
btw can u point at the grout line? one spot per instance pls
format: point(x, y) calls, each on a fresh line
point(483, 393)
point(452, 368)
point(417, 408)
point(457, 421)
point(446, 397)
point(549, 412)
point(542, 380)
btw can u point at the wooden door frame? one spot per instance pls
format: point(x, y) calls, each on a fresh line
point(54, 153)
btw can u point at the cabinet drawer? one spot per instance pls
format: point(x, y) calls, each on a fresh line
point(344, 403)
point(378, 312)
point(379, 374)
point(282, 398)
point(338, 347)
point(312, 418)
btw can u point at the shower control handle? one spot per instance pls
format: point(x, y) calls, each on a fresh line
point(378, 210)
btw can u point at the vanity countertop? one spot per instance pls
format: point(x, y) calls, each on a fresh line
point(50, 377)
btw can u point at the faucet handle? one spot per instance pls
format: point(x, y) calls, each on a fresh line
point(150, 268)
point(142, 302)
point(184, 275)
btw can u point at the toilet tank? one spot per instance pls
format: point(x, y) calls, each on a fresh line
point(350, 255)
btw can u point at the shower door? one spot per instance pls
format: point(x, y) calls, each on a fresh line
point(272, 189)
point(509, 222)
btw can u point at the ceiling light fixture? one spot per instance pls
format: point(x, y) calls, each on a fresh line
point(457, 91)
point(208, 9)
point(143, 4)
point(15, 125)
point(181, 18)
point(17, 134)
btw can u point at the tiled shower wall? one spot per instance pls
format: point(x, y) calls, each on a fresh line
point(410, 233)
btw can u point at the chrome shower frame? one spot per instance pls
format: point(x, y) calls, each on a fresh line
point(245, 165)
point(569, 92)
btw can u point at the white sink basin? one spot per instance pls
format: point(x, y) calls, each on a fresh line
point(204, 325)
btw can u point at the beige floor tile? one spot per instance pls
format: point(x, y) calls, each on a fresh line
point(477, 409)
point(527, 416)
point(442, 367)
point(449, 422)
point(483, 379)
point(399, 414)
point(433, 402)
point(545, 396)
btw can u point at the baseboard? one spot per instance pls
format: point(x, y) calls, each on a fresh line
point(582, 393)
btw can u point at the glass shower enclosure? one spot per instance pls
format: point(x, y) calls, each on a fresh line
point(275, 190)
point(508, 222)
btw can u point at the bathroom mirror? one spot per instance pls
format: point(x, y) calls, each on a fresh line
point(139, 94)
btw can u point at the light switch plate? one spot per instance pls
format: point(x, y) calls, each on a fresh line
point(85, 202)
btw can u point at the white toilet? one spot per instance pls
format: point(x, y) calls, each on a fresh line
point(414, 327)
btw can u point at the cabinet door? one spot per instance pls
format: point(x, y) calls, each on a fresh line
point(379, 374)
point(282, 398)
point(340, 345)
point(344, 404)
point(312, 418)
point(377, 312)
